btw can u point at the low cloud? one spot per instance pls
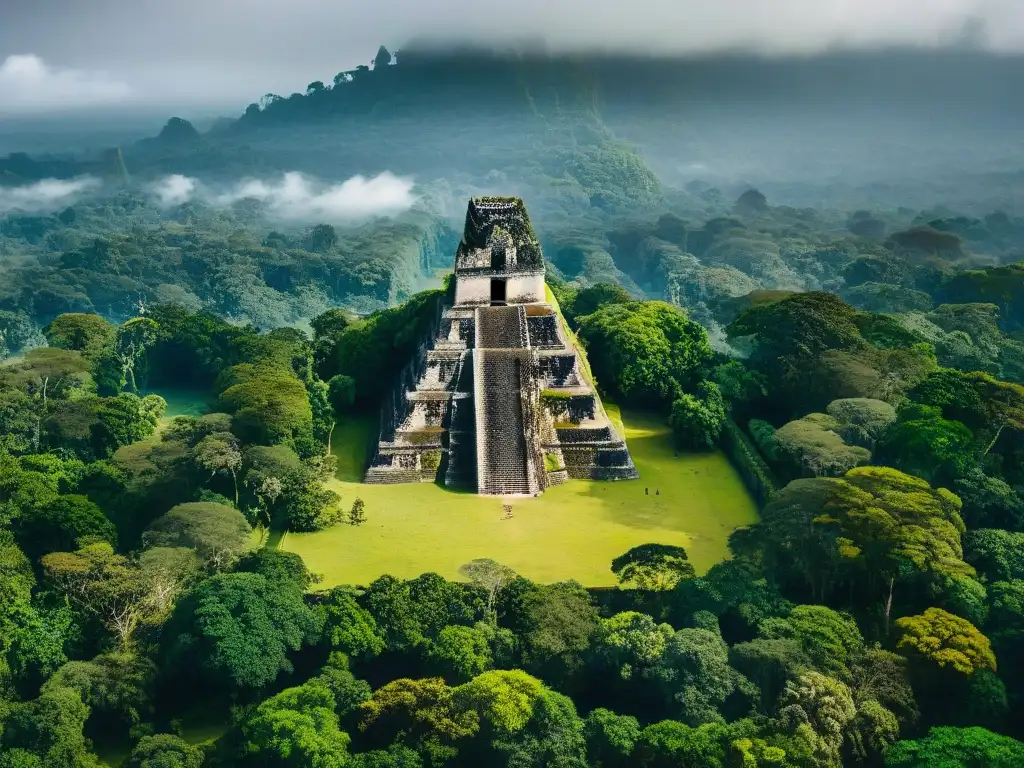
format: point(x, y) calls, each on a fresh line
point(46, 195)
point(297, 197)
point(174, 190)
point(29, 85)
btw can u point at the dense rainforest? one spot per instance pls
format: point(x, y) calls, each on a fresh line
point(861, 367)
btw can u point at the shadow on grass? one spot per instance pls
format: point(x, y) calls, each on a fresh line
point(704, 487)
point(183, 402)
point(352, 444)
point(276, 537)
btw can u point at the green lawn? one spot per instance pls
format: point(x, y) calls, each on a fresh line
point(183, 402)
point(570, 532)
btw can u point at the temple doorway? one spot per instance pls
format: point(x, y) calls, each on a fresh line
point(498, 292)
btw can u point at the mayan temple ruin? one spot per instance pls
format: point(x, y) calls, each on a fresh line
point(498, 397)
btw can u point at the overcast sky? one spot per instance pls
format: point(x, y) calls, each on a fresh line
point(227, 53)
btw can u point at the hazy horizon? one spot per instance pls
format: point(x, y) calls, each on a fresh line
point(62, 54)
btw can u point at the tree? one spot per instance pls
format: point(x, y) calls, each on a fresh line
point(489, 575)
point(297, 727)
point(740, 595)
point(669, 744)
point(770, 664)
point(925, 242)
point(48, 377)
point(280, 487)
point(165, 751)
point(697, 420)
point(997, 554)
point(589, 300)
point(126, 362)
point(882, 676)
point(217, 532)
point(424, 712)
point(751, 203)
point(923, 443)
point(268, 404)
point(105, 585)
point(755, 752)
point(610, 738)
point(242, 628)
point(559, 622)
point(22, 490)
point(412, 613)
point(645, 353)
point(862, 419)
point(324, 417)
point(633, 645)
point(396, 756)
point(985, 405)
point(62, 524)
point(122, 420)
point(326, 329)
point(269, 476)
point(322, 237)
point(341, 393)
point(357, 515)
point(349, 627)
point(89, 334)
point(947, 641)
point(739, 384)
point(349, 692)
point(814, 445)
point(803, 324)
point(219, 453)
point(31, 641)
point(277, 567)
point(957, 748)
point(115, 686)
point(552, 736)
point(503, 698)
point(460, 653)
point(328, 402)
point(989, 502)
point(382, 59)
point(819, 711)
point(653, 566)
point(48, 728)
point(170, 570)
point(869, 530)
point(702, 679)
point(830, 639)
point(17, 331)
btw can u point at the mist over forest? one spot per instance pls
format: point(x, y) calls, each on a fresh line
point(593, 142)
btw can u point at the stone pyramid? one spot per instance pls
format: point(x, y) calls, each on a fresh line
point(499, 397)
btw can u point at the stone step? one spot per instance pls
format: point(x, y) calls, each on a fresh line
point(501, 328)
point(502, 452)
point(543, 331)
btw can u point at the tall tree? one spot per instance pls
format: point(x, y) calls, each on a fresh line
point(298, 727)
point(220, 453)
point(217, 532)
point(653, 566)
point(242, 628)
point(970, 747)
point(100, 583)
point(868, 531)
point(645, 353)
point(89, 334)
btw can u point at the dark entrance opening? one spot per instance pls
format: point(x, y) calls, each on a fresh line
point(498, 292)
